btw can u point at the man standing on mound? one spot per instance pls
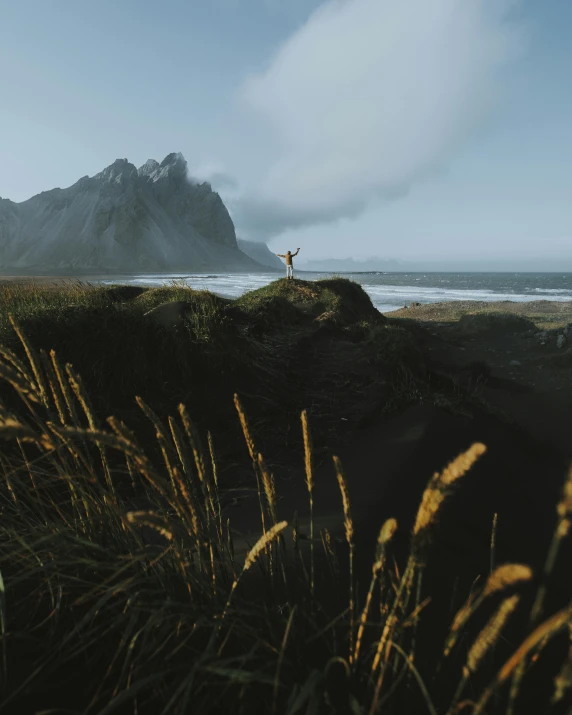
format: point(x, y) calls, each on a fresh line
point(289, 267)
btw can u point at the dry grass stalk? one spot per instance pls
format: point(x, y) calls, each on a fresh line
point(230, 543)
point(493, 542)
point(64, 387)
point(121, 429)
point(385, 535)
point(414, 617)
point(83, 398)
point(34, 362)
point(152, 520)
point(307, 451)
point(262, 543)
point(270, 493)
point(213, 459)
point(193, 441)
point(185, 483)
point(69, 435)
point(12, 429)
point(213, 568)
point(329, 550)
point(140, 460)
point(7, 471)
point(15, 361)
point(26, 390)
point(252, 452)
point(81, 394)
point(180, 447)
point(253, 555)
point(564, 508)
point(387, 531)
point(281, 658)
point(166, 451)
point(59, 400)
point(435, 493)
point(348, 523)
point(269, 488)
point(543, 632)
point(490, 633)
point(393, 617)
point(502, 577)
point(214, 472)
point(188, 502)
point(349, 532)
point(505, 576)
point(563, 681)
point(245, 428)
point(192, 436)
point(310, 486)
point(564, 512)
point(296, 544)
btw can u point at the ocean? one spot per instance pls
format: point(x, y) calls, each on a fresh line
point(388, 291)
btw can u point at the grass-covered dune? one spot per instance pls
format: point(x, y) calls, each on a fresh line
point(289, 346)
point(125, 585)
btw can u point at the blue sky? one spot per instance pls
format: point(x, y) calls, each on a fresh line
point(393, 128)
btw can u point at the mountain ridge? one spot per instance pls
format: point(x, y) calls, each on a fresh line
point(260, 253)
point(123, 219)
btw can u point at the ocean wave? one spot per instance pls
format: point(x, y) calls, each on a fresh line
point(551, 291)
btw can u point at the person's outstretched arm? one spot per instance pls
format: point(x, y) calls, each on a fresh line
point(297, 252)
point(280, 255)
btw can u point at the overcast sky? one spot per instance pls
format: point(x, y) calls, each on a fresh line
point(393, 128)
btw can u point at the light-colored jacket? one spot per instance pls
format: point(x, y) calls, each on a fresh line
point(288, 256)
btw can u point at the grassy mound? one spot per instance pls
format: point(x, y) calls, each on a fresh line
point(286, 346)
point(344, 302)
point(120, 353)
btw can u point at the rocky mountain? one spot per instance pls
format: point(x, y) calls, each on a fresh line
point(260, 253)
point(123, 219)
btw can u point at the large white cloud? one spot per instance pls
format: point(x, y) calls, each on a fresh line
point(366, 98)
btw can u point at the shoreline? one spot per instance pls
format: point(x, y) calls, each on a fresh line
point(435, 311)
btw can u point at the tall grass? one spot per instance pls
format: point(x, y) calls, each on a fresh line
point(124, 588)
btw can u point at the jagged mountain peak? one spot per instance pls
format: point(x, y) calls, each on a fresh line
point(174, 159)
point(148, 168)
point(173, 166)
point(123, 219)
point(120, 171)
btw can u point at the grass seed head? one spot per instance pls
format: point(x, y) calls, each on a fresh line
point(348, 523)
point(490, 633)
point(262, 543)
point(438, 490)
point(564, 507)
point(506, 575)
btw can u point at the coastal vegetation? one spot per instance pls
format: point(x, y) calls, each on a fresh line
point(126, 586)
